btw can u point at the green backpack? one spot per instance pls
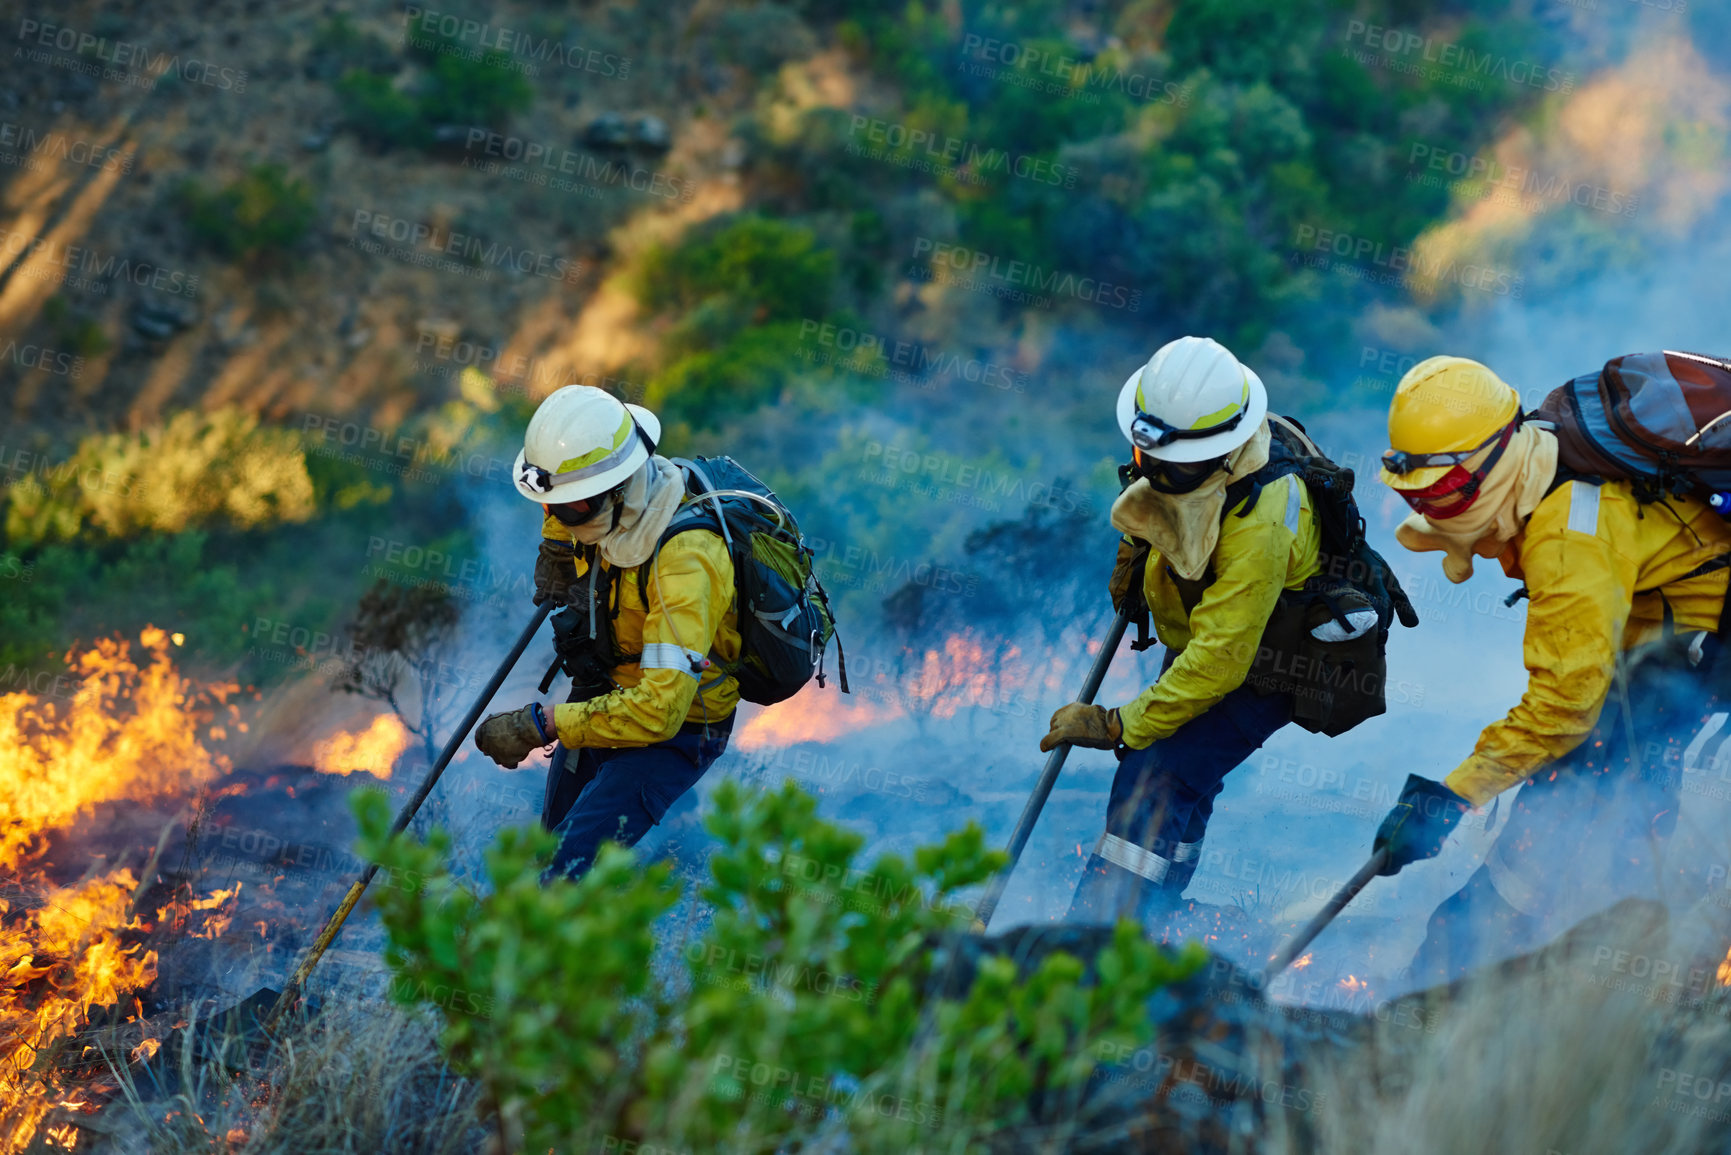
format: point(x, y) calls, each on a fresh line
point(785, 621)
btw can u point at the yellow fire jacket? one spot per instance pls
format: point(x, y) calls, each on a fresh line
point(1600, 569)
point(1272, 549)
point(689, 614)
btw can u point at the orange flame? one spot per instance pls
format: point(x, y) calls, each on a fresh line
point(56, 763)
point(130, 731)
point(1304, 961)
point(1353, 985)
point(374, 750)
point(936, 682)
point(795, 720)
point(1724, 973)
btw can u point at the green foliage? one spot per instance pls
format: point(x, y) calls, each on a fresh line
point(74, 331)
point(484, 90)
point(771, 270)
point(265, 212)
point(817, 990)
point(748, 371)
point(458, 86)
point(379, 112)
point(176, 581)
point(741, 291)
point(339, 45)
point(197, 469)
point(1193, 146)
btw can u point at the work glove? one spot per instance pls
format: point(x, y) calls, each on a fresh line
point(1127, 570)
point(1082, 725)
point(507, 738)
point(555, 570)
point(1419, 824)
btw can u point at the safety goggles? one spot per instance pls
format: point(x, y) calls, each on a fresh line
point(580, 511)
point(1174, 476)
point(1454, 493)
point(1149, 432)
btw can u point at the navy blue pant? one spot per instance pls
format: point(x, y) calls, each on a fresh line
point(1161, 801)
point(1585, 831)
point(620, 795)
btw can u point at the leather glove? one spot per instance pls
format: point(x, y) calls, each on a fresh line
point(1080, 725)
point(507, 738)
point(555, 570)
point(1126, 571)
point(1419, 824)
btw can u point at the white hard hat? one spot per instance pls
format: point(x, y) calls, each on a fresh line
point(582, 442)
point(1193, 400)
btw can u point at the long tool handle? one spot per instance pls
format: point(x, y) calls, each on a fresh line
point(406, 815)
point(1048, 777)
point(1296, 944)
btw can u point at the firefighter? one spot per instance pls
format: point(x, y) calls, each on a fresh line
point(1626, 599)
point(645, 632)
point(1197, 421)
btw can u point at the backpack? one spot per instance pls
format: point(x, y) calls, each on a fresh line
point(1346, 557)
point(784, 616)
point(1335, 684)
point(1660, 421)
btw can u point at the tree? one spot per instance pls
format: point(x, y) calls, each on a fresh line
point(405, 631)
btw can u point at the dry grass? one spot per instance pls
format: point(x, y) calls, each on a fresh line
point(361, 1077)
point(1566, 1053)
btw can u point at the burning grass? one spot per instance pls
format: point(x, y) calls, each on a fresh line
point(130, 731)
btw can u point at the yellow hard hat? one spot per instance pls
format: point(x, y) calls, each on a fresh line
point(1445, 405)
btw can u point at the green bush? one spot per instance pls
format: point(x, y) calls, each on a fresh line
point(746, 372)
point(379, 112)
point(197, 469)
point(812, 968)
point(458, 87)
point(775, 270)
point(485, 90)
point(266, 211)
point(340, 46)
point(74, 331)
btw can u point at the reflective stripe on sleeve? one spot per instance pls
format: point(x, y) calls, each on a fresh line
point(1584, 508)
point(667, 656)
point(1292, 504)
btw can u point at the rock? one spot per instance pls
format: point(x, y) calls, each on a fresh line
point(609, 130)
point(651, 134)
point(316, 141)
point(159, 322)
point(616, 131)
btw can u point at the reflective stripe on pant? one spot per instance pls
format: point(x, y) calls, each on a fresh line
point(620, 795)
point(1162, 798)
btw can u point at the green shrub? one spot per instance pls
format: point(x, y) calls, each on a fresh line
point(776, 270)
point(266, 211)
point(812, 967)
point(197, 469)
point(74, 331)
point(340, 46)
point(379, 112)
point(746, 372)
point(485, 90)
point(458, 87)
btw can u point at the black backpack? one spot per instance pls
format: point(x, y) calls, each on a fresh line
point(784, 616)
point(1335, 685)
point(1345, 556)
